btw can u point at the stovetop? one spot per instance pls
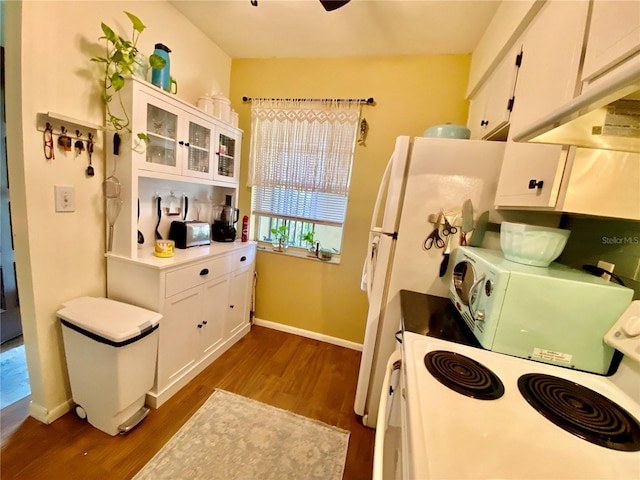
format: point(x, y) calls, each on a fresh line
point(457, 436)
point(494, 431)
point(434, 316)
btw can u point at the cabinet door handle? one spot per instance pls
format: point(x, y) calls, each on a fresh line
point(204, 322)
point(204, 271)
point(186, 144)
point(230, 306)
point(533, 183)
point(243, 258)
point(180, 142)
point(199, 325)
point(484, 123)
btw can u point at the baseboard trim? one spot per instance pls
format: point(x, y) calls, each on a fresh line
point(309, 334)
point(43, 415)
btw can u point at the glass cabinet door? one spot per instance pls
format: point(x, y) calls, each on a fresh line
point(162, 130)
point(198, 161)
point(226, 158)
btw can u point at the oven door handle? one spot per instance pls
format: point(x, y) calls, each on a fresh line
point(394, 363)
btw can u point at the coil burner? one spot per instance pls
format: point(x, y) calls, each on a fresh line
point(464, 375)
point(581, 411)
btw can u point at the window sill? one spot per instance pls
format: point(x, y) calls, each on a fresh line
point(297, 253)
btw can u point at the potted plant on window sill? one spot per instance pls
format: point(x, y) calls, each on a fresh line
point(280, 238)
point(308, 239)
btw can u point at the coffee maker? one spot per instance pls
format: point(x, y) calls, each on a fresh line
point(224, 219)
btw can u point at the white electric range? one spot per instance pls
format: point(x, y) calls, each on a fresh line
point(438, 431)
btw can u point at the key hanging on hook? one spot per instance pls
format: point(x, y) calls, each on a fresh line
point(90, 171)
point(79, 144)
point(64, 140)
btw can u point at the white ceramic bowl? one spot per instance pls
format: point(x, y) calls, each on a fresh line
point(448, 130)
point(532, 244)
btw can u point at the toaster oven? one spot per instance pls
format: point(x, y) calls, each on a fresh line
point(555, 315)
point(190, 233)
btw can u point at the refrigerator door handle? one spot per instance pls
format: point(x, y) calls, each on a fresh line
point(384, 183)
point(370, 263)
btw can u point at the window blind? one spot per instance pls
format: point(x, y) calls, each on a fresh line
point(315, 207)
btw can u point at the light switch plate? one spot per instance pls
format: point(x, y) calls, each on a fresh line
point(65, 198)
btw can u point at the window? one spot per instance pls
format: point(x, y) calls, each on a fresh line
point(300, 167)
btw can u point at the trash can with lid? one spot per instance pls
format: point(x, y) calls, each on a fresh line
point(111, 349)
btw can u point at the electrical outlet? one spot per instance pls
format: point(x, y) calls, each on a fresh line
point(65, 198)
point(608, 267)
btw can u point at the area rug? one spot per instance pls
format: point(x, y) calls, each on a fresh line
point(236, 438)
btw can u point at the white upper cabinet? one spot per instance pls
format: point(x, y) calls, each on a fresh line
point(614, 35)
point(185, 143)
point(491, 106)
point(551, 49)
point(227, 157)
point(556, 66)
point(196, 144)
point(180, 142)
point(531, 173)
point(160, 123)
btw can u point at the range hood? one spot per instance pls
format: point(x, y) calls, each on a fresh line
point(607, 116)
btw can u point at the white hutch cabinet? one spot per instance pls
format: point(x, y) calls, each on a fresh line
point(204, 293)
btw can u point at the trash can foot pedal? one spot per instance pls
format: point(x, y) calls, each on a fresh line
point(135, 419)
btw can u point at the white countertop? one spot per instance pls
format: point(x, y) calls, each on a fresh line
point(147, 258)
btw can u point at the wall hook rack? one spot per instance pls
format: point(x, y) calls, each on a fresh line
point(60, 124)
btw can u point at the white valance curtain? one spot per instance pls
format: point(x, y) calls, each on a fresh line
point(303, 145)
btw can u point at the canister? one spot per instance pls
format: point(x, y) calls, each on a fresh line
point(206, 104)
point(222, 107)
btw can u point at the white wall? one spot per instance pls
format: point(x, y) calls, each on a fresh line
point(60, 255)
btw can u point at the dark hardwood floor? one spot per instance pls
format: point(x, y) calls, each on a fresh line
point(305, 376)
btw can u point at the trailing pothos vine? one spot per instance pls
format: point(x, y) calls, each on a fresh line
point(119, 64)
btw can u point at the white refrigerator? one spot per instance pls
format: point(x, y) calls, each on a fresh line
point(424, 177)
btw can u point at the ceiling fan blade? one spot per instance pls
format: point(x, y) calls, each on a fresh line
point(330, 5)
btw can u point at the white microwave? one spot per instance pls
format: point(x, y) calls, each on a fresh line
point(555, 315)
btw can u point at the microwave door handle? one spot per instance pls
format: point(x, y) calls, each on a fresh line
point(384, 183)
point(471, 294)
point(394, 363)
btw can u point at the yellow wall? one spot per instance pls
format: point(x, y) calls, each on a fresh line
point(411, 94)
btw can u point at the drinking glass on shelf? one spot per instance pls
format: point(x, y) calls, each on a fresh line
point(157, 125)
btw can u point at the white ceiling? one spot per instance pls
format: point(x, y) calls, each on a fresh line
point(302, 28)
